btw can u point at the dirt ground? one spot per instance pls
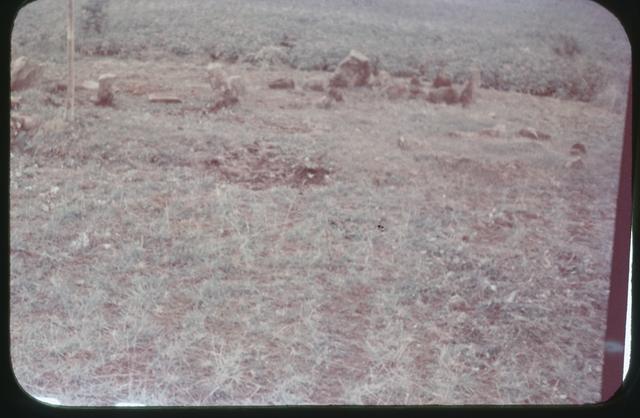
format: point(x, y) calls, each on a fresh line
point(377, 252)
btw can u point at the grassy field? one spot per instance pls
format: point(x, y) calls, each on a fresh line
point(567, 49)
point(377, 252)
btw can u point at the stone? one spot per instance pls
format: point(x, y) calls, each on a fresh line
point(20, 122)
point(458, 303)
point(532, 133)
point(415, 88)
point(403, 144)
point(236, 84)
point(575, 164)
point(468, 94)
point(163, 98)
point(442, 80)
point(25, 73)
point(528, 133)
point(338, 80)
point(578, 149)
point(226, 90)
point(496, 131)
point(217, 76)
point(447, 95)
point(105, 89)
point(314, 84)
point(395, 91)
point(382, 79)
point(282, 84)
point(89, 85)
point(224, 98)
point(335, 95)
point(15, 102)
point(352, 71)
point(325, 102)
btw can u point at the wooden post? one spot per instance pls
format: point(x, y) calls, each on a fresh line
point(71, 81)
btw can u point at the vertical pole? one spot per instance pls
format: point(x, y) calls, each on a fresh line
point(71, 84)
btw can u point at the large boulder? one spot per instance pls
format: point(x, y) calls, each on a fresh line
point(25, 73)
point(353, 71)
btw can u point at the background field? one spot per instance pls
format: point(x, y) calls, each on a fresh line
point(168, 255)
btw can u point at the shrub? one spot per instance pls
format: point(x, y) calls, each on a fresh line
point(565, 46)
point(94, 17)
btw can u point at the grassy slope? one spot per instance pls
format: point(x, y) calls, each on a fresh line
point(511, 42)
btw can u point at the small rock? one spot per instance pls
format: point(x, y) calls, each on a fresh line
point(578, 149)
point(442, 80)
point(403, 144)
point(226, 98)
point(458, 134)
point(543, 135)
point(353, 71)
point(531, 133)
point(29, 123)
point(338, 80)
point(314, 84)
point(415, 88)
point(105, 89)
point(325, 102)
point(282, 83)
point(163, 98)
point(236, 84)
point(495, 131)
point(335, 95)
point(447, 95)
point(20, 122)
point(25, 73)
point(382, 79)
point(225, 89)
point(575, 163)
point(89, 85)
point(457, 303)
point(528, 133)
point(396, 91)
point(217, 76)
point(468, 94)
point(15, 102)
